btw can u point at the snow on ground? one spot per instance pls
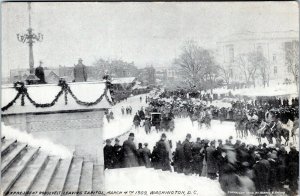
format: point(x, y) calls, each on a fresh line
point(46, 145)
point(274, 90)
point(159, 182)
point(122, 123)
point(183, 126)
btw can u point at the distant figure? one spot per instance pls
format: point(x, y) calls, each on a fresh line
point(80, 74)
point(39, 72)
point(123, 110)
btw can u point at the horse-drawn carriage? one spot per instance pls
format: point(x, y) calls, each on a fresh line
point(162, 121)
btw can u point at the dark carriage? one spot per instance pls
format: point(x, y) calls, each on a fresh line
point(156, 120)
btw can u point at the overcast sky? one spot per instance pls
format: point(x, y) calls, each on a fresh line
point(146, 33)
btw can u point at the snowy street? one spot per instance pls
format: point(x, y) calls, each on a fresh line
point(123, 124)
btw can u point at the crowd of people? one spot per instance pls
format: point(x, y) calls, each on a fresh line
point(237, 166)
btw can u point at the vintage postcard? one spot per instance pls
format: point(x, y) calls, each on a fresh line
point(150, 98)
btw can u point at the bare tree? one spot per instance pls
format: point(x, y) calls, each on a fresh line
point(260, 63)
point(292, 60)
point(247, 69)
point(197, 66)
point(225, 74)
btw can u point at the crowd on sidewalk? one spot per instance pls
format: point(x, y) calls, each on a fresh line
point(237, 166)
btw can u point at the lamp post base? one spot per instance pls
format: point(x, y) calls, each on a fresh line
point(32, 79)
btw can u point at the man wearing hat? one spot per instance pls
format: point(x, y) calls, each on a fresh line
point(163, 161)
point(130, 152)
point(39, 72)
point(211, 161)
point(146, 155)
point(198, 156)
point(108, 155)
point(80, 74)
point(118, 154)
point(188, 156)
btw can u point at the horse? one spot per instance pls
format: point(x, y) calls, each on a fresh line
point(240, 127)
point(285, 133)
point(204, 119)
point(252, 127)
point(277, 131)
point(193, 117)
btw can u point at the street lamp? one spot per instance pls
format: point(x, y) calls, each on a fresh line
point(30, 38)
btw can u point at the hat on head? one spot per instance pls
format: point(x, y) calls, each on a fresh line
point(131, 134)
point(108, 141)
point(189, 135)
point(146, 144)
point(163, 135)
point(117, 140)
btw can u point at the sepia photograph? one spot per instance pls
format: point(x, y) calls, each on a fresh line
point(150, 98)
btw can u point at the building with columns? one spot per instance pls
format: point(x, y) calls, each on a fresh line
point(273, 46)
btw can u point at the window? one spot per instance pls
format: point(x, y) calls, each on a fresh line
point(229, 53)
point(275, 70)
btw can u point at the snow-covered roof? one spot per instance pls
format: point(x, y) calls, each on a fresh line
point(248, 35)
point(84, 91)
point(126, 80)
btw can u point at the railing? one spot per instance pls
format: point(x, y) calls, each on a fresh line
point(65, 90)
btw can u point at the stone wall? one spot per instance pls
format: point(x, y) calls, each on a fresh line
point(81, 131)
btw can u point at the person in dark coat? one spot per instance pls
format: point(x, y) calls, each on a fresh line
point(140, 155)
point(146, 155)
point(198, 156)
point(141, 114)
point(212, 167)
point(154, 157)
point(147, 125)
point(136, 120)
point(80, 74)
point(229, 181)
point(108, 155)
point(282, 166)
point(293, 169)
point(163, 154)
point(178, 158)
point(261, 171)
point(273, 181)
point(188, 156)
point(130, 152)
point(39, 72)
point(118, 154)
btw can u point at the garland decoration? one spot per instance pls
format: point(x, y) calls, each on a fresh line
point(11, 103)
point(65, 88)
point(45, 105)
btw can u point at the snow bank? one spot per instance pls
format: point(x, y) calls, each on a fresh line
point(274, 90)
point(46, 145)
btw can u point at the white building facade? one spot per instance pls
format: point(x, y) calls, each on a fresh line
point(272, 45)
